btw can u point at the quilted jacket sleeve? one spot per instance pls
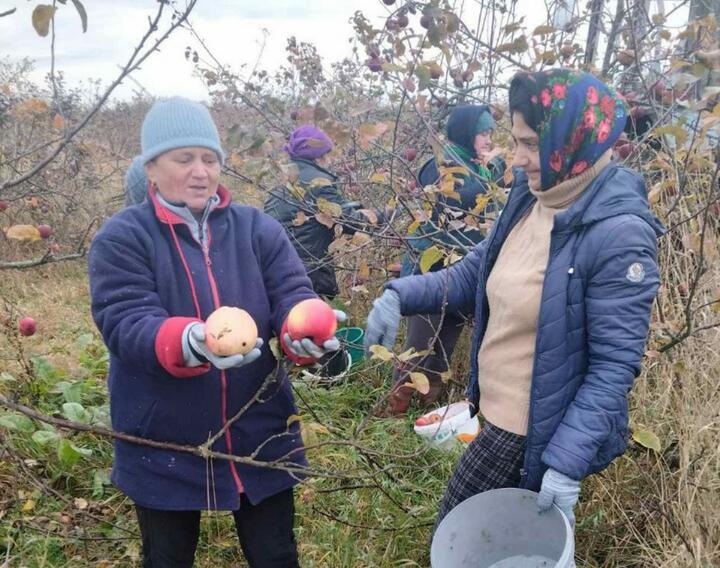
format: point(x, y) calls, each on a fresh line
point(457, 285)
point(620, 290)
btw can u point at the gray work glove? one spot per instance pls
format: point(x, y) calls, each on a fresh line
point(561, 490)
point(307, 348)
point(383, 321)
point(196, 351)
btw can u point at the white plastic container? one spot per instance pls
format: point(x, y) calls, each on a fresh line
point(455, 420)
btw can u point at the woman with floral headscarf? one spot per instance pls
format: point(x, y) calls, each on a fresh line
point(561, 289)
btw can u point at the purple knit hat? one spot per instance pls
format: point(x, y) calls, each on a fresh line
point(308, 142)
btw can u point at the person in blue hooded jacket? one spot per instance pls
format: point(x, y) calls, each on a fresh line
point(135, 183)
point(561, 289)
point(157, 271)
point(474, 163)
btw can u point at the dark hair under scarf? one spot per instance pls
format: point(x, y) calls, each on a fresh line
point(576, 116)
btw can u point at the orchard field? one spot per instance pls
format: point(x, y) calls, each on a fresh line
point(373, 495)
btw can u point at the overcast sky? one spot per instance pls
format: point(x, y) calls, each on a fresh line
point(233, 29)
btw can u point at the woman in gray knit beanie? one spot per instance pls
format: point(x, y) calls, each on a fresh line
point(157, 271)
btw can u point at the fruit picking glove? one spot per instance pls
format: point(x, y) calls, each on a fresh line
point(196, 351)
point(383, 321)
point(306, 348)
point(558, 488)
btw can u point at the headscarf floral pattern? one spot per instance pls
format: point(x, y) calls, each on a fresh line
point(580, 118)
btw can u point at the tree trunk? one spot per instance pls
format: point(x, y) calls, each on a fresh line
point(596, 12)
point(700, 9)
point(614, 31)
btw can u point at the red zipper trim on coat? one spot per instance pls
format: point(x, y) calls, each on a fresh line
point(223, 376)
point(187, 272)
point(216, 302)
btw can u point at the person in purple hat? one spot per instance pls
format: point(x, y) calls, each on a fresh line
point(309, 148)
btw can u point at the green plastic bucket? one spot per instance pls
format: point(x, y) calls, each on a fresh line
point(351, 338)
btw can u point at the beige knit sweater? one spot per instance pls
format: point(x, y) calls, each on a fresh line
point(514, 291)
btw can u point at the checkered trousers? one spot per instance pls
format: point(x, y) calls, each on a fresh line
point(491, 461)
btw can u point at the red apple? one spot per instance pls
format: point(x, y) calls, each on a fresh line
point(625, 150)
point(426, 21)
point(433, 418)
point(312, 318)
point(389, 2)
point(4, 205)
point(409, 154)
point(375, 64)
point(293, 115)
point(45, 231)
point(402, 21)
point(626, 57)
point(373, 50)
point(27, 326)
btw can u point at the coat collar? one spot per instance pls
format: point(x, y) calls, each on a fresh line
point(309, 165)
point(175, 215)
point(615, 191)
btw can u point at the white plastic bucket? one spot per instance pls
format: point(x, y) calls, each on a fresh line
point(453, 420)
point(503, 529)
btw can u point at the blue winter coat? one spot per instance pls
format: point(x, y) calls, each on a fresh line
point(149, 277)
point(599, 286)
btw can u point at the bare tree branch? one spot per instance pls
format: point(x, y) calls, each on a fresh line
point(136, 59)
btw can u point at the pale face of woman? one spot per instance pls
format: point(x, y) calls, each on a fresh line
point(483, 143)
point(527, 151)
point(186, 175)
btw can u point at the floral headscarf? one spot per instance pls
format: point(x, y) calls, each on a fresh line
point(578, 119)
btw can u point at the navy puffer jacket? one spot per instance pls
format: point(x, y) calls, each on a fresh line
point(600, 282)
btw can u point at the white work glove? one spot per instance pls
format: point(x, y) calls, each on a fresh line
point(196, 351)
point(383, 321)
point(307, 348)
point(561, 490)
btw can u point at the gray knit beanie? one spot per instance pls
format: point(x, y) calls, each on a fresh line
point(178, 123)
